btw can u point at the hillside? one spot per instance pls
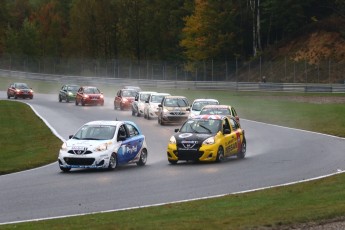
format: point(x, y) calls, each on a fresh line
point(321, 46)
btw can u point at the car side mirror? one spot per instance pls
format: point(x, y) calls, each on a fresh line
point(160, 105)
point(70, 136)
point(176, 130)
point(227, 131)
point(188, 109)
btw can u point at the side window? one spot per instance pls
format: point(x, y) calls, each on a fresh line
point(234, 124)
point(132, 130)
point(226, 125)
point(234, 112)
point(122, 133)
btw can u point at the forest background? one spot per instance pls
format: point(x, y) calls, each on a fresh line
point(288, 41)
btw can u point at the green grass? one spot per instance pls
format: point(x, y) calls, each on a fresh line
point(19, 127)
point(272, 208)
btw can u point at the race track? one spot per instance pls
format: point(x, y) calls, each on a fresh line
point(275, 155)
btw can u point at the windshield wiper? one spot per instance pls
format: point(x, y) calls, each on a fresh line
point(205, 128)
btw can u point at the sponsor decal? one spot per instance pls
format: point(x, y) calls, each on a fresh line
point(185, 135)
point(189, 144)
point(79, 150)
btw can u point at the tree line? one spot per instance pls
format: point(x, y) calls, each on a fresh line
point(175, 30)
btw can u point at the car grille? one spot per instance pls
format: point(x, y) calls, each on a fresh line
point(189, 153)
point(79, 152)
point(79, 161)
point(177, 113)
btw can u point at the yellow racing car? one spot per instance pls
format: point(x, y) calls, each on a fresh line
point(207, 138)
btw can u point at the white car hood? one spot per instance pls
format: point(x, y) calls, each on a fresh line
point(89, 144)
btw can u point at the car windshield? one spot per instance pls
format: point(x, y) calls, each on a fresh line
point(176, 102)
point(201, 126)
point(95, 132)
point(157, 98)
point(215, 111)
point(73, 88)
point(198, 105)
point(92, 90)
point(144, 97)
point(129, 93)
point(21, 86)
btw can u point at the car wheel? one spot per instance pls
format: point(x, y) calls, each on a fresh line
point(8, 96)
point(65, 169)
point(138, 114)
point(173, 162)
point(76, 102)
point(121, 107)
point(143, 158)
point(242, 153)
point(112, 162)
point(82, 102)
point(220, 154)
point(60, 99)
point(15, 97)
point(31, 97)
point(67, 99)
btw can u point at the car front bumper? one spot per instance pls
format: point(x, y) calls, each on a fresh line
point(93, 160)
point(206, 153)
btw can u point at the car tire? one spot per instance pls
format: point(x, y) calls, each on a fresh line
point(76, 102)
point(220, 154)
point(8, 96)
point(15, 97)
point(148, 117)
point(31, 97)
point(160, 121)
point(82, 102)
point(133, 113)
point(67, 99)
point(60, 99)
point(112, 162)
point(143, 158)
point(173, 162)
point(65, 169)
point(242, 153)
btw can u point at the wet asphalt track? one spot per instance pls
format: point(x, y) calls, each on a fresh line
point(275, 155)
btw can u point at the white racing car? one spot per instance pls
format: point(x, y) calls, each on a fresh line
point(103, 144)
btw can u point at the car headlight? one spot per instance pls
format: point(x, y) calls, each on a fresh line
point(165, 111)
point(70, 94)
point(101, 147)
point(172, 140)
point(101, 96)
point(64, 146)
point(85, 96)
point(209, 141)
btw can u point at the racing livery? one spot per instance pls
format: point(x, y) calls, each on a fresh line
point(138, 104)
point(151, 105)
point(173, 109)
point(68, 93)
point(19, 90)
point(207, 138)
point(103, 144)
point(90, 95)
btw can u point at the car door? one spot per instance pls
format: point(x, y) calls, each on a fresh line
point(130, 143)
point(230, 138)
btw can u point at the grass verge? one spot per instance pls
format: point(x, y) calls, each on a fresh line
point(19, 127)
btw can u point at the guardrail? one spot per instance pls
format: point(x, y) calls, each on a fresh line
point(206, 85)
